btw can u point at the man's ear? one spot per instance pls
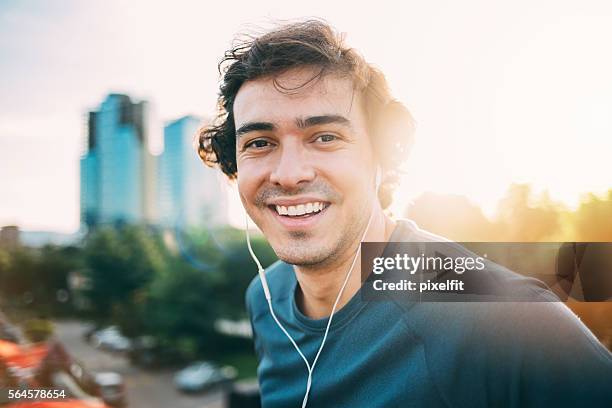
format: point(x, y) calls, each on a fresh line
point(393, 134)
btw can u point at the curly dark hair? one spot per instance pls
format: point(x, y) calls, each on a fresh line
point(308, 43)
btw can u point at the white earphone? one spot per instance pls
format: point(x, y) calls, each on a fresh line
point(268, 295)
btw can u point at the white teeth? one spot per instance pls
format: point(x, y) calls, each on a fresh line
point(300, 209)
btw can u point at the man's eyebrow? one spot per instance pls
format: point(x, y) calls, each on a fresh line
point(301, 123)
point(254, 126)
point(322, 120)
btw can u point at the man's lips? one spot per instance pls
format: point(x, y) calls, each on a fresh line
point(299, 210)
point(298, 214)
point(297, 206)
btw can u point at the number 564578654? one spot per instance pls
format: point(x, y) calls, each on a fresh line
point(35, 394)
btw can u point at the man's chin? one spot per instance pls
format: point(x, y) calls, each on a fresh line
point(303, 255)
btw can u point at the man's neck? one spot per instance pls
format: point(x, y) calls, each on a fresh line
point(319, 288)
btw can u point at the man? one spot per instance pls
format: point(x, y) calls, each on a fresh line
point(304, 125)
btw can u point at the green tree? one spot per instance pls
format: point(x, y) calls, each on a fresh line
point(185, 300)
point(238, 270)
point(452, 216)
point(522, 217)
point(37, 279)
point(120, 264)
point(593, 219)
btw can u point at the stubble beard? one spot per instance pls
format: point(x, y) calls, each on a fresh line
point(302, 248)
point(303, 251)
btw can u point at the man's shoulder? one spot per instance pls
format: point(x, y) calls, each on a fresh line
point(280, 278)
point(407, 230)
point(509, 299)
point(524, 315)
point(502, 281)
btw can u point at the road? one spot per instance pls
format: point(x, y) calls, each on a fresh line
point(145, 389)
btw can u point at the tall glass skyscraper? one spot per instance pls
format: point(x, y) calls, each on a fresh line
point(190, 194)
point(116, 169)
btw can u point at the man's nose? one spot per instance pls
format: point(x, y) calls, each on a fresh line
point(292, 167)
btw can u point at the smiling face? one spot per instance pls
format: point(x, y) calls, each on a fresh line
point(305, 164)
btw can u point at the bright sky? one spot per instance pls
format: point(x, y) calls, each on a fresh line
point(502, 91)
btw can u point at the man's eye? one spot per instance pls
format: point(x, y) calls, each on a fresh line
point(257, 144)
point(326, 138)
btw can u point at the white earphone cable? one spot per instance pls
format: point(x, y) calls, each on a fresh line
point(268, 296)
point(264, 284)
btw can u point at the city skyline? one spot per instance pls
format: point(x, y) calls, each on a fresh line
point(501, 93)
point(116, 171)
point(122, 182)
point(189, 193)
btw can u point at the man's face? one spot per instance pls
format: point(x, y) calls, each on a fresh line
point(305, 164)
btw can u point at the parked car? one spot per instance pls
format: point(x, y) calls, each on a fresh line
point(111, 339)
point(202, 376)
point(111, 389)
point(108, 386)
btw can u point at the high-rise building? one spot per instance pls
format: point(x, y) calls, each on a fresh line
point(117, 167)
point(190, 194)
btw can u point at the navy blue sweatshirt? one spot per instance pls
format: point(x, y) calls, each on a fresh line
point(430, 354)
